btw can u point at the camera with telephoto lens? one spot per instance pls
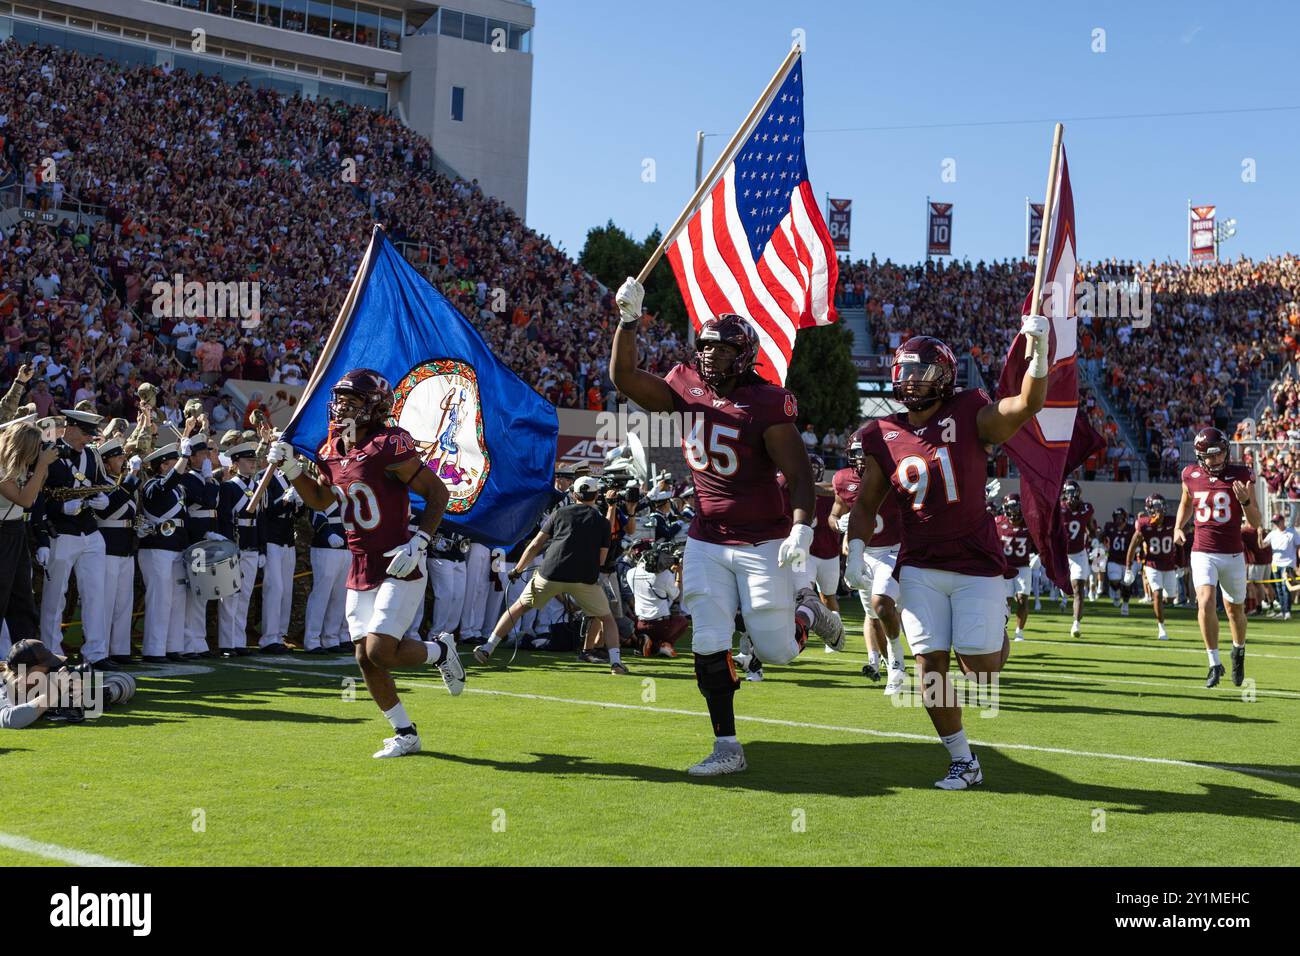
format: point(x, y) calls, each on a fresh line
point(659, 557)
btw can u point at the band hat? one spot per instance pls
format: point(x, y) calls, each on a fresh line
point(21, 420)
point(164, 453)
point(49, 421)
point(110, 448)
point(244, 450)
point(86, 421)
point(658, 496)
point(199, 443)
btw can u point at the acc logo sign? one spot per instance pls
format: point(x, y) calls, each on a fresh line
point(438, 403)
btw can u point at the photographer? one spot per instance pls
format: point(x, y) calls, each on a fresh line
point(35, 681)
point(655, 581)
point(24, 465)
point(576, 542)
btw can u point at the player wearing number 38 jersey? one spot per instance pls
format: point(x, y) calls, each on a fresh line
point(742, 544)
point(1216, 493)
point(370, 467)
point(932, 458)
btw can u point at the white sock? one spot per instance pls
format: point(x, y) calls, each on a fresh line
point(895, 652)
point(615, 656)
point(957, 746)
point(435, 652)
point(874, 657)
point(1020, 632)
point(397, 716)
point(492, 643)
point(1214, 657)
point(733, 740)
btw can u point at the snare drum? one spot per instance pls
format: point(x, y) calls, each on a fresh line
point(212, 569)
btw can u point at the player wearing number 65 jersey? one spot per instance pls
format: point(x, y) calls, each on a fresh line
point(741, 545)
point(1216, 494)
point(933, 459)
point(368, 466)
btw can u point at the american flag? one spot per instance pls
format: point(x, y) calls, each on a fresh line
point(758, 245)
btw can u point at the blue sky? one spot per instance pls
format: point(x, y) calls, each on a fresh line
point(616, 83)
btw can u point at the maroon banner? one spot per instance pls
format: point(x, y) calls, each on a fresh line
point(1058, 439)
point(1033, 230)
point(1200, 235)
point(939, 230)
point(838, 216)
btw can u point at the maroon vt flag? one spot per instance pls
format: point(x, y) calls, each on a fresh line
point(1058, 439)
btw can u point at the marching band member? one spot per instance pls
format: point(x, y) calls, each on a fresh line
point(245, 529)
point(163, 538)
point(117, 526)
point(75, 541)
point(326, 626)
point(282, 506)
point(497, 586)
point(201, 490)
point(447, 574)
point(476, 587)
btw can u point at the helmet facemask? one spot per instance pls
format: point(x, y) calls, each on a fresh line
point(715, 361)
point(919, 386)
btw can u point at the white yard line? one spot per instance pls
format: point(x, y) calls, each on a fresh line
point(863, 731)
point(52, 851)
point(1162, 646)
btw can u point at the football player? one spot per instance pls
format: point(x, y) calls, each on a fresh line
point(880, 599)
point(1216, 494)
point(1117, 535)
point(1155, 535)
point(1018, 548)
point(933, 458)
point(741, 543)
point(1080, 526)
point(368, 465)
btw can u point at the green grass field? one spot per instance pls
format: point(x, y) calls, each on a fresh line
point(1104, 750)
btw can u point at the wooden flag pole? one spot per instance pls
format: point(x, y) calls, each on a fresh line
point(1040, 270)
point(323, 360)
point(724, 158)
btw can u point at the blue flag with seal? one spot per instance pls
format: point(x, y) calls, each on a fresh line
point(486, 434)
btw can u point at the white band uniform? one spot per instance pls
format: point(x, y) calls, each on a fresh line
point(1228, 571)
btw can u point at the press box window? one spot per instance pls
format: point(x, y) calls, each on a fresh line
point(458, 103)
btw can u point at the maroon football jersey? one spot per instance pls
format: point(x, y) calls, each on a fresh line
point(1160, 551)
point(1117, 538)
point(1017, 545)
point(826, 536)
point(1215, 508)
point(937, 472)
point(889, 524)
point(1076, 526)
point(738, 498)
point(375, 503)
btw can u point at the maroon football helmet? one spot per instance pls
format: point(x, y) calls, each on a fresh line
point(374, 391)
point(857, 457)
point(733, 330)
point(818, 467)
point(1211, 441)
point(924, 372)
point(1011, 508)
point(1155, 505)
point(1071, 493)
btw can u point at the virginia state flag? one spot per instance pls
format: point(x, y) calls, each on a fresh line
point(487, 435)
point(1058, 439)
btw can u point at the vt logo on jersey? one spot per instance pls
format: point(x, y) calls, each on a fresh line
point(438, 403)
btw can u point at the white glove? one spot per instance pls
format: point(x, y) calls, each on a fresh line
point(187, 448)
point(213, 536)
point(630, 296)
point(1036, 328)
point(291, 497)
point(406, 558)
point(843, 523)
point(206, 470)
point(135, 464)
point(99, 502)
point(334, 541)
point(282, 455)
point(261, 561)
point(855, 568)
point(1129, 576)
point(992, 488)
point(72, 507)
point(42, 556)
point(794, 549)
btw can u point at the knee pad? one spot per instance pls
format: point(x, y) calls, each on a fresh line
point(715, 673)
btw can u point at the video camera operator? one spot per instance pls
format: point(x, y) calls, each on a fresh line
point(655, 580)
point(35, 682)
point(576, 541)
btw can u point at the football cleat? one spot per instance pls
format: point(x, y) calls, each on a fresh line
point(962, 775)
point(1212, 678)
point(399, 746)
point(1239, 665)
point(452, 670)
point(666, 650)
point(897, 678)
point(618, 669)
point(1020, 635)
point(1074, 629)
point(753, 668)
point(871, 672)
point(825, 624)
point(482, 654)
point(726, 758)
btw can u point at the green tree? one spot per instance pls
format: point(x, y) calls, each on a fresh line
point(611, 255)
point(824, 379)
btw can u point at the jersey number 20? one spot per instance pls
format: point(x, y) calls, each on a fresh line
point(359, 505)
